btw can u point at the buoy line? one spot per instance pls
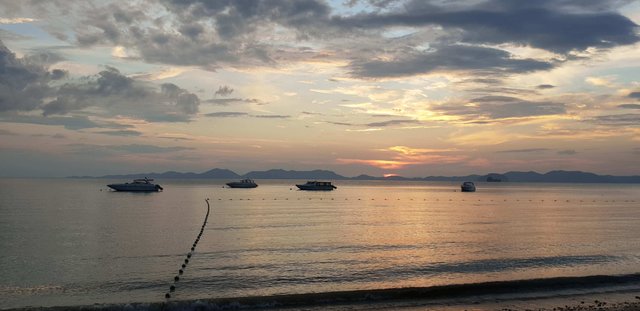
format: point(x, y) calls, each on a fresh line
point(172, 288)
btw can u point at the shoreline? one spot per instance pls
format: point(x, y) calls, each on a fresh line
point(599, 292)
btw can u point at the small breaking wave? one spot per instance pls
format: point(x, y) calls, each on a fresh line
point(549, 287)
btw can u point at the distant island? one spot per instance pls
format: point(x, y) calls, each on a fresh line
point(549, 177)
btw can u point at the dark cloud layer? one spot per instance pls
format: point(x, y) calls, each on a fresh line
point(226, 114)
point(120, 95)
point(629, 119)
point(629, 106)
point(449, 58)
point(230, 101)
point(27, 85)
point(500, 107)
point(545, 86)
point(551, 25)
point(24, 83)
point(392, 122)
point(215, 34)
point(68, 122)
point(102, 150)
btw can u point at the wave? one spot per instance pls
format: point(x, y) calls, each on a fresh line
point(547, 287)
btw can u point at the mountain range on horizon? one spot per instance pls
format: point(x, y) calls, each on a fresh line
point(556, 176)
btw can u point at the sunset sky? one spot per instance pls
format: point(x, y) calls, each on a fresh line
point(414, 88)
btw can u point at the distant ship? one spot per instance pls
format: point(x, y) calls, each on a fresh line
point(138, 185)
point(245, 183)
point(468, 186)
point(317, 185)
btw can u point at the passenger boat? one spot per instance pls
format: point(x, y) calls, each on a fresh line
point(317, 185)
point(468, 186)
point(138, 185)
point(245, 183)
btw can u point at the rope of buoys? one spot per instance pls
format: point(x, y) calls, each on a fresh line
point(172, 288)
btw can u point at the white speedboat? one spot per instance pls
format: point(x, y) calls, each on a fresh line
point(138, 185)
point(245, 183)
point(468, 186)
point(317, 185)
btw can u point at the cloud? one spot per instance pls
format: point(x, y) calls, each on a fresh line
point(24, 83)
point(530, 150)
point(403, 156)
point(231, 114)
point(224, 90)
point(16, 20)
point(567, 152)
point(121, 133)
point(272, 116)
point(489, 108)
point(202, 33)
point(229, 101)
point(629, 106)
point(226, 114)
point(125, 149)
point(601, 81)
point(630, 119)
point(117, 94)
point(218, 34)
point(545, 86)
point(68, 122)
point(635, 95)
point(449, 58)
point(557, 26)
point(392, 122)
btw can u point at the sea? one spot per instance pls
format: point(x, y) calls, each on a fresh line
point(73, 242)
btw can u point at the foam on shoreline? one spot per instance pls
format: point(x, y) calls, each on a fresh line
point(547, 288)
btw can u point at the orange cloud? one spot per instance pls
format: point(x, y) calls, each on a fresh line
point(406, 156)
point(384, 164)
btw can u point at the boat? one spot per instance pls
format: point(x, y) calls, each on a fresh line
point(138, 185)
point(245, 183)
point(468, 186)
point(317, 185)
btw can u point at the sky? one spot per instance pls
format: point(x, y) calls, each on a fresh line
point(378, 87)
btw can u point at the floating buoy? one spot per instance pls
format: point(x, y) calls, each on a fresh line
point(172, 288)
point(176, 278)
point(167, 296)
point(180, 271)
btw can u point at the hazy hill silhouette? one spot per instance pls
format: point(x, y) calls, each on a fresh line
point(558, 176)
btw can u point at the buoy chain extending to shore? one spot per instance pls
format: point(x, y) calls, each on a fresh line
point(172, 288)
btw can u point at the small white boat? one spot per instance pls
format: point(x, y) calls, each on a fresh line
point(245, 183)
point(138, 185)
point(468, 186)
point(317, 186)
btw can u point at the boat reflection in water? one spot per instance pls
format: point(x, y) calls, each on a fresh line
point(317, 186)
point(138, 185)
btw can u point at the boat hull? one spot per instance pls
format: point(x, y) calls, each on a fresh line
point(135, 188)
point(241, 185)
point(315, 188)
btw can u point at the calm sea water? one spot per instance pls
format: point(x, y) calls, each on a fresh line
point(73, 242)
